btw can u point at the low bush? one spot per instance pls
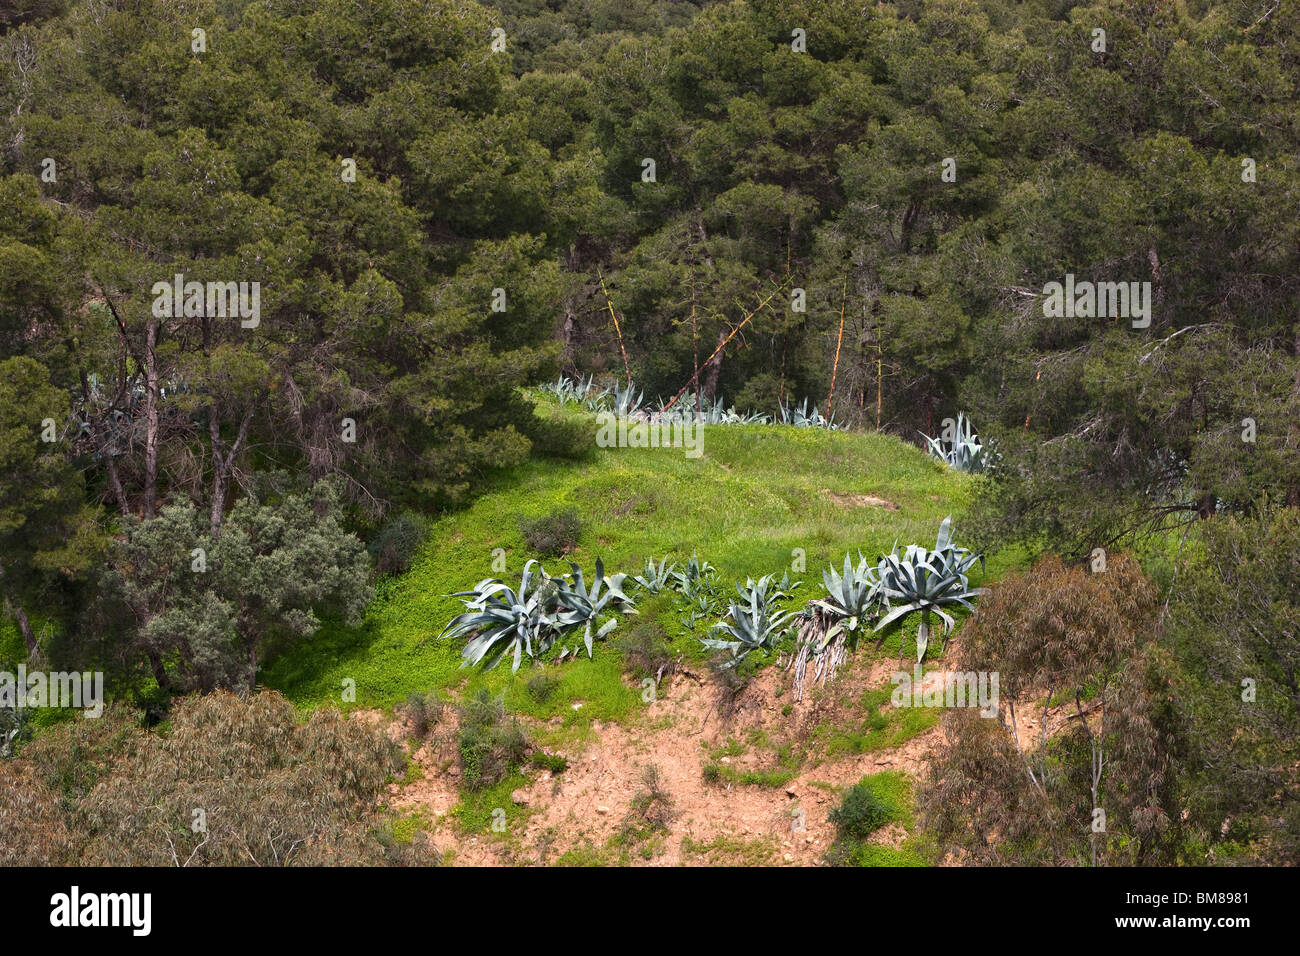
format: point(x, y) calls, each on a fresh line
point(491, 742)
point(553, 535)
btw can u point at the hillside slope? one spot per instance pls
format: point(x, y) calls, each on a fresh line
point(756, 494)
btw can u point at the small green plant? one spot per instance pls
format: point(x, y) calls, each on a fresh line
point(394, 545)
point(652, 803)
point(861, 813)
point(492, 744)
point(646, 651)
point(553, 535)
point(423, 711)
point(541, 686)
point(555, 763)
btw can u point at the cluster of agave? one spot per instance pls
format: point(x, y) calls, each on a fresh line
point(806, 415)
point(901, 583)
point(965, 452)
point(592, 397)
point(755, 622)
point(532, 618)
point(629, 401)
point(696, 583)
point(710, 412)
point(570, 391)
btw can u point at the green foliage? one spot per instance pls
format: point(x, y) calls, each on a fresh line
point(553, 535)
point(206, 610)
point(964, 451)
point(542, 686)
point(555, 763)
point(873, 802)
point(925, 581)
point(1233, 627)
point(492, 745)
point(746, 518)
point(394, 546)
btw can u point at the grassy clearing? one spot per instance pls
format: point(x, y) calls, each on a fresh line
point(756, 495)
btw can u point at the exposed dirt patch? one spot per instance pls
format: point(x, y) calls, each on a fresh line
point(588, 805)
point(859, 501)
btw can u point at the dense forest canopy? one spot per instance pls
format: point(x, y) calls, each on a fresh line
point(438, 202)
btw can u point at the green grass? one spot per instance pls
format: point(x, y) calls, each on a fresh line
point(728, 850)
point(877, 729)
point(754, 497)
point(893, 790)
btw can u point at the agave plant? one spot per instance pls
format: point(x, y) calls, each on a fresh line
point(656, 578)
point(965, 452)
point(507, 620)
point(597, 400)
point(851, 597)
point(696, 577)
point(925, 581)
point(530, 619)
point(760, 588)
point(829, 626)
point(703, 607)
point(807, 415)
point(580, 607)
point(627, 401)
point(755, 625)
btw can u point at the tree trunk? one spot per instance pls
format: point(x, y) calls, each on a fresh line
point(115, 483)
point(223, 462)
point(25, 627)
point(159, 672)
point(1293, 485)
point(151, 420)
point(715, 369)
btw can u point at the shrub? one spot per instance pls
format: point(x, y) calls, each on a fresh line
point(652, 804)
point(491, 743)
point(861, 813)
point(562, 439)
point(647, 651)
point(555, 763)
point(423, 711)
point(553, 535)
point(541, 686)
point(394, 545)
